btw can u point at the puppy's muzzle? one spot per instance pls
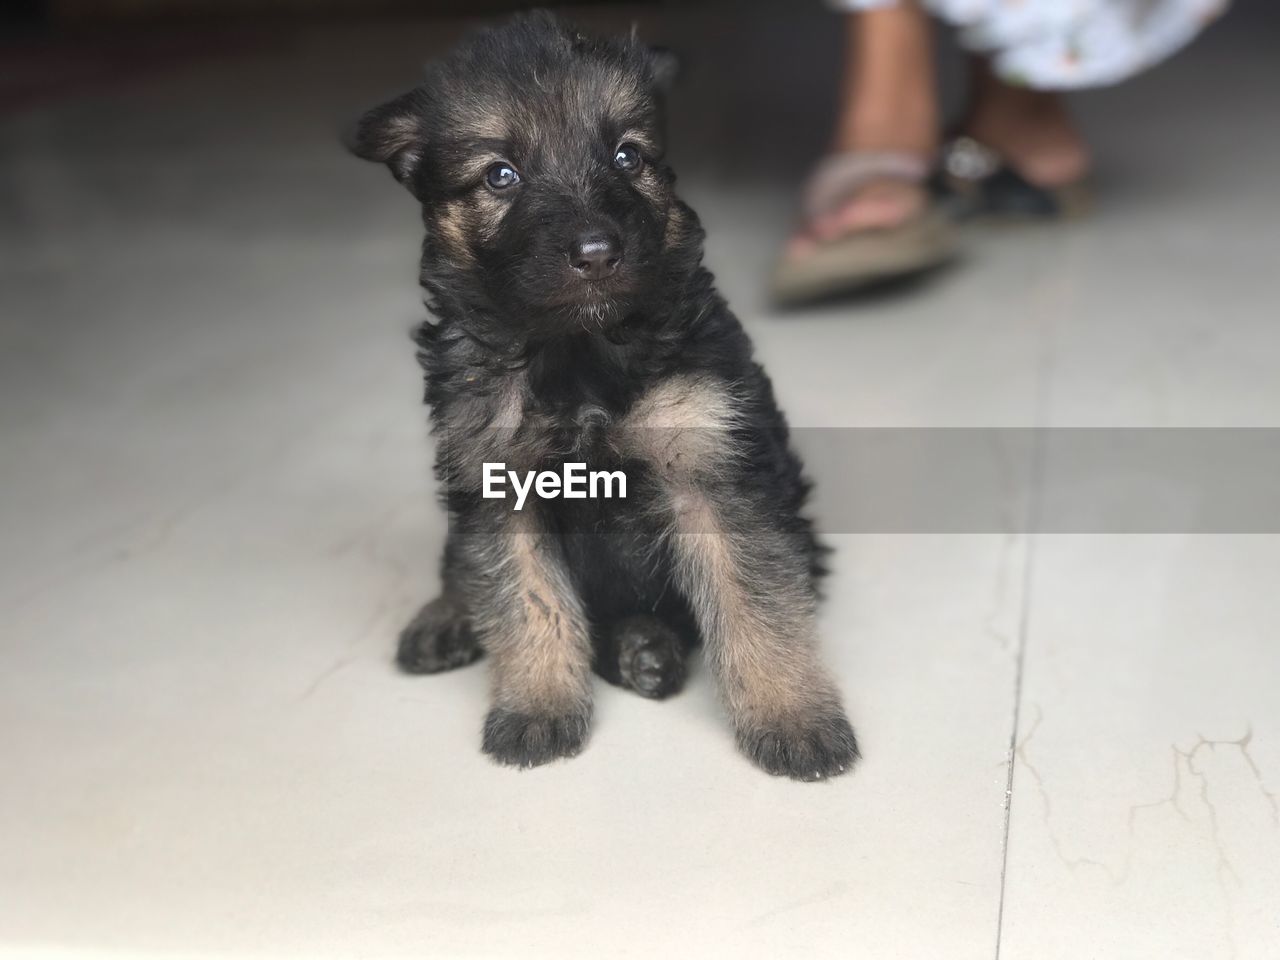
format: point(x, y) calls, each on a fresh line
point(595, 255)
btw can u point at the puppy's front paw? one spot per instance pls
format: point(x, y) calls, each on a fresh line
point(528, 740)
point(804, 748)
point(438, 638)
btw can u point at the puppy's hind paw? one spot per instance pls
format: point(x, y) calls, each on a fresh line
point(439, 638)
point(529, 740)
point(805, 748)
point(651, 658)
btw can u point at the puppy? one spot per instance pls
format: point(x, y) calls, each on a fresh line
point(576, 323)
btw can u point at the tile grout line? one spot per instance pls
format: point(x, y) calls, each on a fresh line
point(1044, 376)
point(1023, 623)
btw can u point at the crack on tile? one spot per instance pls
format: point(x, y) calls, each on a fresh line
point(364, 542)
point(145, 534)
point(340, 664)
point(1189, 757)
point(1131, 821)
point(1071, 863)
point(1272, 798)
point(1187, 770)
point(1223, 866)
point(367, 546)
point(163, 529)
point(1184, 764)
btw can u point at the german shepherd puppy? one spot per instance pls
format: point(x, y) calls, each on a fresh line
point(575, 322)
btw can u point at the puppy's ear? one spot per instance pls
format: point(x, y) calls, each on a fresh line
point(664, 67)
point(392, 134)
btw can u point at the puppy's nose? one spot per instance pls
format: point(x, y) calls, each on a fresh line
point(595, 255)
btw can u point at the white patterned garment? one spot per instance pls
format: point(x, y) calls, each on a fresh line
point(1063, 44)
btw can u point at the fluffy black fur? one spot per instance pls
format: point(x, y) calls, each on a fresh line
point(532, 364)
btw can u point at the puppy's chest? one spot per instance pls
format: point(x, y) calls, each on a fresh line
point(547, 416)
point(507, 421)
point(677, 426)
point(586, 431)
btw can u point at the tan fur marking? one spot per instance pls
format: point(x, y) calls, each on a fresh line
point(609, 94)
point(508, 412)
point(489, 212)
point(542, 657)
point(676, 226)
point(651, 188)
point(763, 649)
point(622, 96)
point(482, 119)
point(748, 585)
point(402, 130)
point(472, 168)
point(451, 227)
point(682, 427)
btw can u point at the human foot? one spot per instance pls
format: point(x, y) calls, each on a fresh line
point(1031, 130)
point(868, 218)
point(860, 190)
point(879, 203)
point(886, 131)
point(868, 215)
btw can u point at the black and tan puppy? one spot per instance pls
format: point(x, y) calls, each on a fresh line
point(576, 323)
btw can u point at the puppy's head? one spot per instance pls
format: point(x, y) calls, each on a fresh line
point(537, 154)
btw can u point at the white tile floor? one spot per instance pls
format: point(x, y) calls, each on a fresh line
point(215, 515)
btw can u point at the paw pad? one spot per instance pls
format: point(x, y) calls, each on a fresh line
point(529, 740)
point(806, 749)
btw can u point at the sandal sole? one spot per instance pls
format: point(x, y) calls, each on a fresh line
point(865, 258)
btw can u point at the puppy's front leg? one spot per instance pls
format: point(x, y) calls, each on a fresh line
point(751, 589)
point(747, 572)
point(530, 620)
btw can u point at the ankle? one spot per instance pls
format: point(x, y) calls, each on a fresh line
point(1034, 132)
point(889, 99)
point(907, 129)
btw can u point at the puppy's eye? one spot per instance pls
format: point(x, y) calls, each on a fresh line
point(501, 175)
point(627, 157)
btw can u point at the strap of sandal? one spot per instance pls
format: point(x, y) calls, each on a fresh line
point(967, 160)
point(840, 175)
point(980, 181)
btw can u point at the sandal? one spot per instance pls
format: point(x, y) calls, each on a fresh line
point(981, 184)
point(864, 256)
